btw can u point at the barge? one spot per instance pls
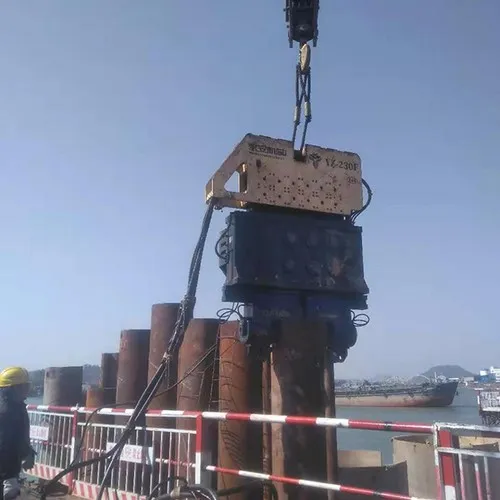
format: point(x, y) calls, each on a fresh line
point(426, 394)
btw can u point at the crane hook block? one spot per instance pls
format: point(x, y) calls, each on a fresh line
point(269, 173)
point(302, 21)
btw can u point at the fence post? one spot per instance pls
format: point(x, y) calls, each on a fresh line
point(445, 464)
point(198, 450)
point(203, 452)
point(74, 434)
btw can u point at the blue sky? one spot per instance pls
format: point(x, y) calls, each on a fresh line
point(115, 114)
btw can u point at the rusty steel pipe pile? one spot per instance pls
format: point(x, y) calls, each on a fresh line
point(197, 385)
point(63, 386)
point(163, 319)
point(132, 375)
point(132, 379)
point(109, 374)
point(297, 388)
point(239, 392)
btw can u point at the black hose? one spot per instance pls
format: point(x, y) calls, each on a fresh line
point(248, 486)
point(190, 491)
point(167, 482)
point(184, 316)
point(357, 213)
point(139, 411)
point(195, 490)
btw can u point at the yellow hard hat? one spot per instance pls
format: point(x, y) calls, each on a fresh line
point(14, 375)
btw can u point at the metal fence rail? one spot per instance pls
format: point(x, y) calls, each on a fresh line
point(151, 455)
point(154, 453)
point(52, 437)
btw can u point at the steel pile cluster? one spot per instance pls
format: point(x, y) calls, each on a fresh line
point(214, 371)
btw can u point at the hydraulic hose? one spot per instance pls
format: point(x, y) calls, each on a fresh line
point(184, 316)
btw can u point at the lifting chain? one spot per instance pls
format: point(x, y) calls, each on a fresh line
point(302, 95)
point(302, 20)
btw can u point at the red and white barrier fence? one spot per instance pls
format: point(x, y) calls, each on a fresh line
point(467, 461)
point(52, 437)
point(156, 452)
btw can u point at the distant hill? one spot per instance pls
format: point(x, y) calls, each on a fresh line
point(91, 376)
point(448, 371)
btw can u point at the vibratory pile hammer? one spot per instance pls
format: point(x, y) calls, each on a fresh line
point(291, 248)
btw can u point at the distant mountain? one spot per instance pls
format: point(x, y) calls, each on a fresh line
point(380, 377)
point(91, 376)
point(448, 371)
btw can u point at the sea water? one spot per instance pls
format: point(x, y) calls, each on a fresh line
point(464, 410)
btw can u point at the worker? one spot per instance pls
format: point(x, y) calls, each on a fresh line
point(16, 452)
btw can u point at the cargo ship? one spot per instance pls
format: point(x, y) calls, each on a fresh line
point(426, 394)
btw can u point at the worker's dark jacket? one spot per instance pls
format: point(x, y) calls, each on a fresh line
point(14, 434)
